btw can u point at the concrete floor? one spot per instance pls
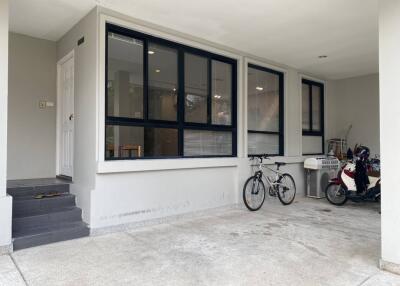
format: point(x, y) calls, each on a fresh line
point(307, 243)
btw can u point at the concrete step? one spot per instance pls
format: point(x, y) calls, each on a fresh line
point(45, 218)
point(23, 191)
point(49, 234)
point(27, 205)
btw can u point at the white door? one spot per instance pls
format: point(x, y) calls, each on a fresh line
point(66, 100)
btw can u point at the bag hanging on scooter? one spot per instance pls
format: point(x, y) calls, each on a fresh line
point(361, 177)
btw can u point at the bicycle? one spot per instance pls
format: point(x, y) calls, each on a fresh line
point(282, 185)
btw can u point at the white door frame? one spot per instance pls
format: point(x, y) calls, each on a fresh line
point(59, 110)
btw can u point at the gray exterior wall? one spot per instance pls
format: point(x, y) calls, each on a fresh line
point(355, 101)
point(31, 130)
point(85, 58)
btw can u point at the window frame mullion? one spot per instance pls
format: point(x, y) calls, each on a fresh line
point(321, 131)
point(180, 123)
point(181, 101)
point(209, 91)
point(281, 115)
point(310, 107)
point(145, 80)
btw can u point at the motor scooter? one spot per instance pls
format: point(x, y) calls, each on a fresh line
point(344, 188)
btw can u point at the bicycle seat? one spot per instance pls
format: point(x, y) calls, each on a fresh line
point(278, 164)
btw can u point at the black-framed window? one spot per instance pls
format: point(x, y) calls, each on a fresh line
point(265, 111)
point(313, 117)
point(167, 100)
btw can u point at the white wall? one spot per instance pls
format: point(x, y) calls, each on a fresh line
point(85, 105)
point(293, 132)
point(355, 101)
point(31, 130)
point(132, 191)
point(132, 197)
point(5, 201)
point(389, 71)
point(3, 94)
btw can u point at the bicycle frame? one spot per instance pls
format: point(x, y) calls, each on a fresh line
point(270, 181)
point(276, 183)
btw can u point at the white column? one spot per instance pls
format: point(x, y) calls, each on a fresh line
point(5, 201)
point(3, 93)
point(389, 80)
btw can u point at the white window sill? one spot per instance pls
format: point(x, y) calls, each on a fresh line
point(121, 166)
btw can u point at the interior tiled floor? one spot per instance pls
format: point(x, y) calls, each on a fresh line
point(307, 243)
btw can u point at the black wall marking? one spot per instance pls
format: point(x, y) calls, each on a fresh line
point(81, 41)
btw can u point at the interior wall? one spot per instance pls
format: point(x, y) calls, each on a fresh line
point(85, 88)
point(31, 130)
point(355, 101)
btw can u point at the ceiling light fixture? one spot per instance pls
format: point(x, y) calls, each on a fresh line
point(217, 96)
point(174, 89)
point(151, 52)
point(157, 70)
point(259, 88)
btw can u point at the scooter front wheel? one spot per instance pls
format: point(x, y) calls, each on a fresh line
point(335, 194)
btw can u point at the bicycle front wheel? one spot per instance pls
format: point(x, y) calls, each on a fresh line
point(286, 189)
point(254, 193)
point(335, 194)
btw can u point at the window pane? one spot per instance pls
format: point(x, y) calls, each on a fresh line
point(163, 82)
point(221, 93)
point(312, 144)
point(306, 107)
point(196, 88)
point(263, 100)
point(135, 142)
point(202, 143)
point(316, 108)
point(263, 144)
point(125, 77)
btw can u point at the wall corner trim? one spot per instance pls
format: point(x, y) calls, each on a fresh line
point(389, 266)
point(6, 249)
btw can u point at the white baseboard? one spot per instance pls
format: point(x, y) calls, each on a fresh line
point(161, 220)
point(389, 266)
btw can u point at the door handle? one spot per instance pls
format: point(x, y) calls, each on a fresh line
point(71, 117)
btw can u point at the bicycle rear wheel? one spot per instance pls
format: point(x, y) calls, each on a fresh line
point(254, 193)
point(286, 189)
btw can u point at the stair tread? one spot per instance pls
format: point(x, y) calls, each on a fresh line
point(49, 228)
point(23, 188)
point(28, 198)
point(18, 188)
point(72, 231)
point(42, 212)
point(36, 182)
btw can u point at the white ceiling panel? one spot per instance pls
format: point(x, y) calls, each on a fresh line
point(290, 32)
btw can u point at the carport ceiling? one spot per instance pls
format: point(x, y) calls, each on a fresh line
point(290, 32)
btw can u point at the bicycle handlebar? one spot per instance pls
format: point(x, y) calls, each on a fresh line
point(260, 157)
